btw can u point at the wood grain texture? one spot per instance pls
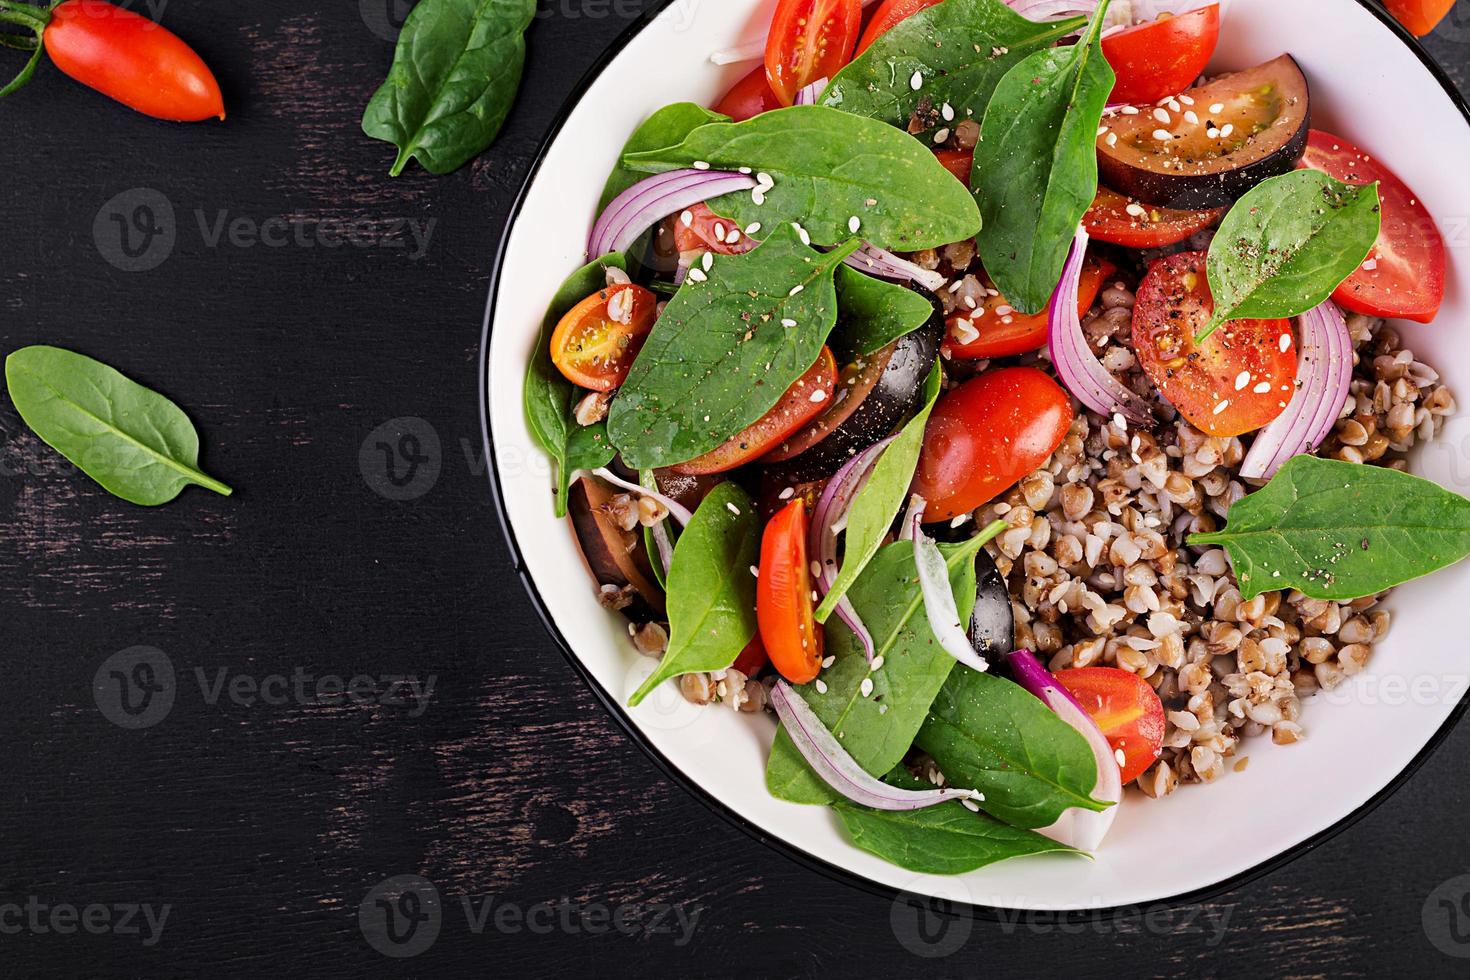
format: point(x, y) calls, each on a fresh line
point(264, 826)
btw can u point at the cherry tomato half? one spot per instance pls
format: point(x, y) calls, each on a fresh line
point(1419, 16)
point(1240, 379)
point(1146, 226)
point(595, 343)
point(783, 597)
point(1004, 332)
point(706, 231)
point(985, 435)
point(750, 97)
point(958, 162)
point(803, 401)
point(889, 16)
point(130, 58)
point(1127, 710)
point(809, 39)
point(1404, 275)
point(1163, 57)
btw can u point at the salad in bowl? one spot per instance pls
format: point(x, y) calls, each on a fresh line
point(1011, 410)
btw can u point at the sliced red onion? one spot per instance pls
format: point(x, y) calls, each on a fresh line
point(884, 264)
point(665, 545)
point(1044, 10)
point(813, 92)
point(944, 617)
point(829, 517)
point(680, 512)
point(1324, 377)
point(1078, 827)
point(1076, 365)
point(649, 201)
point(1145, 11)
point(912, 518)
point(840, 770)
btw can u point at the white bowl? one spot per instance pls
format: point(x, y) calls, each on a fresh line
point(1371, 85)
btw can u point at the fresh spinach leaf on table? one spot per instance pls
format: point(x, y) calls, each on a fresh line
point(711, 593)
point(1338, 531)
point(873, 314)
point(837, 174)
point(960, 50)
point(989, 734)
point(1035, 170)
point(881, 498)
point(877, 730)
point(454, 77)
point(549, 398)
point(133, 441)
point(947, 839)
point(1287, 244)
point(725, 350)
point(666, 127)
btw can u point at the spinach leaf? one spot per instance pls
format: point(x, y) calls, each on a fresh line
point(877, 730)
point(874, 313)
point(1288, 243)
point(133, 441)
point(725, 350)
point(666, 127)
point(455, 73)
point(881, 498)
point(1035, 169)
point(837, 174)
point(959, 48)
point(711, 593)
point(992, 735)
point(549, 397)
point(947, 839)
point(1339, 531)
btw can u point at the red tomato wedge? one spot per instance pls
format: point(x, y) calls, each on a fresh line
point(705, 231)
point(1405, 273)
point(958, 162)
point(595, 343)
point(803, 401)
point(1421, 17)
point(1127, 710)
point(1145, 225)
point(783, 597)
point(889, 16)
point(1240, 379)
point(809, 40)
point(1163, 57)
point(750, 97)
point(1004, 332)
point(985, 435)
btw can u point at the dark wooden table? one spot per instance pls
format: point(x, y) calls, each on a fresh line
point(295, 313)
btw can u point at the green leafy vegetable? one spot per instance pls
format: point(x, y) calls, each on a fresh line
point(725, 351)
point(960, 48)
point(877, 730)
point(943, 840)
point(666, 127)
point(455, 73)
point(1035, 169)
point(990, 734)
point(133, 441)
point(549, 397)
point(1339, 531)
point(879, 501)
point(873, 314)
point(711, 593)
point(837, 174)
point(1288, 243)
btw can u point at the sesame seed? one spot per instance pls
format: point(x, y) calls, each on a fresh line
point(877, 664)
point(1212, 133)
point(745, 170)
point(1186, 100)
point(1371, 264)
point(796, 289)
point(700, 165)
point(941, 136)
point(696, 275)
point(754, 228)
point(1122, 759)
point(1129, 110)
point(819, 395)
point(828, 661)
point(1112, 139)
point(1191, 118)
point(1217, 108)
point(1222, 406)
point(788, 493)
point(866, 687)
point(788, 322)
point(1101, 130)
point(1120, 421)
point(971, 805)
point(917, 82)
point(947, 111)
point(1241, 380)
point(854, 223)
point(802, 233)
point(1226, 130)
point(764, 179)
point(821, 687)
point(1285, 342)
point(1163, 134)
point(719, 231)
point(708, 261)
point(755, 571)
point(1163, 116)
point(687, 218)
point(1263, 388)
point(733, 509)
point(758, 197)
point(733, 237)
point(1135, 209)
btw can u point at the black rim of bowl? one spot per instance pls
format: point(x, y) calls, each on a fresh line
point(614, 708)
